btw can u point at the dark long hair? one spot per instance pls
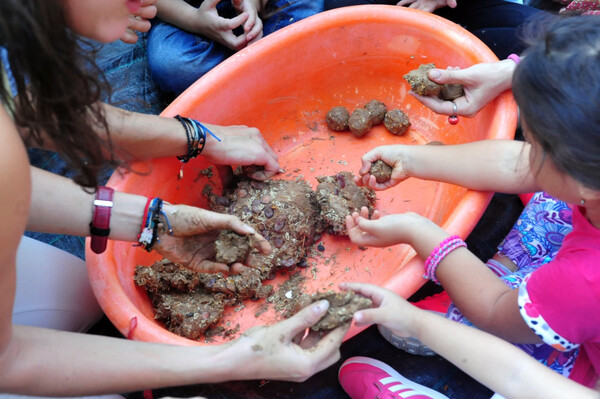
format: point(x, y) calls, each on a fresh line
point(58, 86)
point(557, 88)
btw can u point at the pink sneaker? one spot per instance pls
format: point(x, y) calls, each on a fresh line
point(366, 378)
point(438, 303)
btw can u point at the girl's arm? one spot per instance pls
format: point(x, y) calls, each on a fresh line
point(492, 361)
point(487, 165)
point(480, 295)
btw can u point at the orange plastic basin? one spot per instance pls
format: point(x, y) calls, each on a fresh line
point(284, 85)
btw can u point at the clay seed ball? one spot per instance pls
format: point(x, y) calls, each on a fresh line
point(337, 119)
point(359, 122)
point(420, 83)
point(377, 111)
point(450, 92)
point(381, 170)
point(396, 122)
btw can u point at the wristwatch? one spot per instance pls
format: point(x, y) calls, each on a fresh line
point(100, 224)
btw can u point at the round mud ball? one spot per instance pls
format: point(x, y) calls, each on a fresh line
point(420, 83)
point(396, 122)
point(337, 119)
point(381, 170)
point(377, 111)
point(450, 92)
point(359, 122)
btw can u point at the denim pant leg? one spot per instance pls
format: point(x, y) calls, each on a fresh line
point(178, 58)
point(281, 13)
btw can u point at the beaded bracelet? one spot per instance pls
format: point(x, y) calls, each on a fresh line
point(448, 245)
point(149, 233)
point(515, 58)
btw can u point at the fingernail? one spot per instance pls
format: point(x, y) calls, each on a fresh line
point(358, 317)
point(321, 306)
point(434, 73)
point(249, 229)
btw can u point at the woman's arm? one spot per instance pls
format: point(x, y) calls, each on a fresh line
point(37, 361)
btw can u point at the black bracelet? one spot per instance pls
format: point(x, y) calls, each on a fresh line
point(195, 135)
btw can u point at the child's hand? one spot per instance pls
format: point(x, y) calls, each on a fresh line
point(210, 24)
point(482, 83)
point(427, 5)
point(253, 27)
point(140, 21)
point(389, 309)
point(393, 155)
point(380, 231)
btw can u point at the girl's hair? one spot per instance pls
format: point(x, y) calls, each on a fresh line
point(557, 88)
point(58, 86)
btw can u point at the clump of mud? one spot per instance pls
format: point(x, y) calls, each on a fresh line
point(381, 170)
point(397, 122)
point(337, 119)
point(342, 306)
point(290, 215)
point(421, 84)
point(231, 247)
point(188, 302)
point(339, 196)
point(286, 213)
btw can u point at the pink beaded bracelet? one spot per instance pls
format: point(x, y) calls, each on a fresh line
point(515, 58)
point(448, 245)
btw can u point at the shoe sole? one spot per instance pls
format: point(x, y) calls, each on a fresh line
point(393, 373)
point(407, 344)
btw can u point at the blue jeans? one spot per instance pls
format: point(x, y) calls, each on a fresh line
point(178, 58)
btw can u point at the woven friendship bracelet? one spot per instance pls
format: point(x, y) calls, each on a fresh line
point(439, 253)
point(149, 234)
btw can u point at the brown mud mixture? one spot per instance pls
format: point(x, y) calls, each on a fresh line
point(342, 306)
point(339, 196)
point(337, 119)
point(286, 213)
point(381, 170)
point(422, 85)
point(360, 122)
point(396, 121)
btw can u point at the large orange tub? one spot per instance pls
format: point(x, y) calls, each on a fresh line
point(284, 85)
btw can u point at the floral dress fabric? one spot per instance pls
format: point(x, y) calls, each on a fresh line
point(533, 241)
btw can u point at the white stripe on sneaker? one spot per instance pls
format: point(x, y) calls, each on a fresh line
point(403, 391)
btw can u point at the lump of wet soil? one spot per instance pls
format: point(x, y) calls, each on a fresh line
point(337, 119)
point(286, 213)
point(420, 82)
point(376, 110)
point(396, 121)
point(339, 196)
point(342, 306)
point(381, 170)
point(359, 122)
point(450, 92)
point(187, 314)
point(188, 302)
point(232, 247)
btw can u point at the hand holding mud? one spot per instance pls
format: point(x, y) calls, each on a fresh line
point(194, 233)
point(393, 157)
point(481, 82)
